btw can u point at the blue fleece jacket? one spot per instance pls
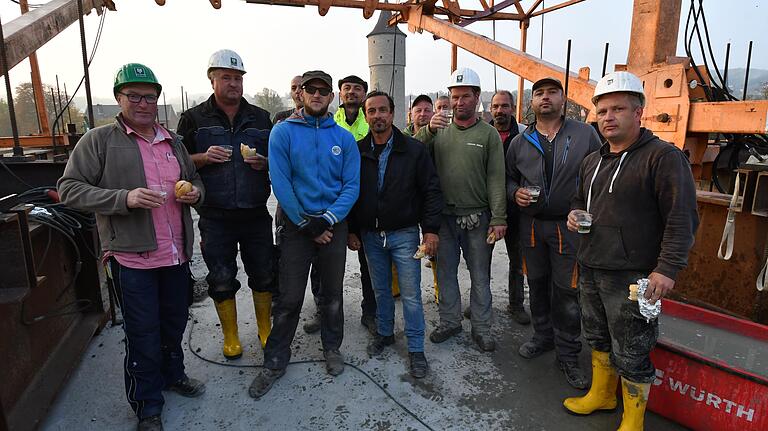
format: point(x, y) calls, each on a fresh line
point(314, 165)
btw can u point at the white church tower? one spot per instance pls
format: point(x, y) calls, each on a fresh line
point(386, 59)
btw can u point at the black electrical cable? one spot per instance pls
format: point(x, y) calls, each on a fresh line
point(308, 361)
point(85, 304)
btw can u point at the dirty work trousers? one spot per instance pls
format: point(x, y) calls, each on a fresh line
point(368, 305)
point(515, 276)
point(613, 323)
point(477, 254)
point(297, 254)
point(549, 253)
point(154, 304)
point(220, 239)
point(382, 250)
point(314, 275)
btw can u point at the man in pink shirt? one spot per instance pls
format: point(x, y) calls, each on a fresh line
point(126, 173)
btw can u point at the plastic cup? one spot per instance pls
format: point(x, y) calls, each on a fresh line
point(534, 191)
point(448, 114)
point(584, 221)
point(228, 149)
point(160, 189)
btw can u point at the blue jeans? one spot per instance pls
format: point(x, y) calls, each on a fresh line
point(155, 305)
point(382, 249)
point(477, 253)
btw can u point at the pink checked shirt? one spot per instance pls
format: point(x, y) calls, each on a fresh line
point(160, 168)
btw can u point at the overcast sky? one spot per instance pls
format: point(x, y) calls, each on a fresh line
point(278, 42)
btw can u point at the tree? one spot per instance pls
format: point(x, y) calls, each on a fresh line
point(26, 112)
point(764, 90)
point(270, 101)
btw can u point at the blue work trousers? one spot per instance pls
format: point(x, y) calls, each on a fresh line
point(382, 249)
point(155, 307)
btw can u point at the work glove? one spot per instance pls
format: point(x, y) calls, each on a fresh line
point(315, 227)
point(468, 222)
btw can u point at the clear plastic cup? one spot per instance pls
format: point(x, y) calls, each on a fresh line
point(534, 191)
point(228, 149)
point(584, 221)
point(448, 114)
point(160, 189)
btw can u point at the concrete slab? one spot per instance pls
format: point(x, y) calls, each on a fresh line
point(465, 390)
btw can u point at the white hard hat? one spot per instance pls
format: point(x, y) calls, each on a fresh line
point(617, 82)
point(225, 59)
point(464, 77)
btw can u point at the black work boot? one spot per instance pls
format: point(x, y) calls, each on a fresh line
point(188, 387)
point(519, 315)
point(263, 381)
point(370, 323)
point(533, 349)
point(150, 423)
point(334, 362)
point(419, 366)
point(442, 333)
point(376, 347)
point(574, 375)
point(313, 325)
point(484, 341)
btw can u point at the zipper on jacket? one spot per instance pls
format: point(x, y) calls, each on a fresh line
point(565, 153)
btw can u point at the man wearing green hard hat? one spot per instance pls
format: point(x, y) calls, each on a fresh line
point(139, 180)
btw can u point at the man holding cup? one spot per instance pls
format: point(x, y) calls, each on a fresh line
point(469, 158)
point(227, 138)
point(542, 168)
point(642, 196)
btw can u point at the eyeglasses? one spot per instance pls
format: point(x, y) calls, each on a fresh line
point(136, 98)
point(311, 90)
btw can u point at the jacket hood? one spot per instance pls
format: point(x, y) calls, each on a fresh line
point(299, 116)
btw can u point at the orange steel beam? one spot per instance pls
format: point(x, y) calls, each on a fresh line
point(395, 7)
point(520, 81)
point(35, 141)
point(554, 8)
point(655, 24)
point(513, 60)
point(37, 83)
point(533, 8)
point(750, 116)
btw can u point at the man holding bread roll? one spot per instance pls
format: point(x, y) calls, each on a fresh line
point(126, 173)
point(227, 138)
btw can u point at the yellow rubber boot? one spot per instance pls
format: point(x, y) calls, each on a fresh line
point(395, 283)
point(262, 302)
point(635, 399)
point(227, 311)
point(602, 393)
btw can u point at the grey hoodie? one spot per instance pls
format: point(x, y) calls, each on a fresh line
point(525, 166)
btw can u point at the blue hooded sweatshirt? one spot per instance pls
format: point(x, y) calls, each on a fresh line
point(314, 165)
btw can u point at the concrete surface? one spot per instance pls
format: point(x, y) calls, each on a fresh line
point(465, 389)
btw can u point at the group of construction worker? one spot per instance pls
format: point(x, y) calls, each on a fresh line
point(448, 185)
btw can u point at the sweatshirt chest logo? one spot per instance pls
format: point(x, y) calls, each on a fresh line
point(336, 150)
point(472, 144)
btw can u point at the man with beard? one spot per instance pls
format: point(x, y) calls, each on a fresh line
point(313, 325)
point(315, 171)
point(421, 113)
point(502, 108)
point(470, 164)
point(234, 215)
point(543, 163)
point(399, 191)
point(295, 96)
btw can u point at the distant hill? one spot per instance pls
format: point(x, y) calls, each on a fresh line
point(757, 77)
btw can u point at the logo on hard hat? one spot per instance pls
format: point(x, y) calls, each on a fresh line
point(233, 61)
point(609, 82)
point(459, 78)
point(140, 72)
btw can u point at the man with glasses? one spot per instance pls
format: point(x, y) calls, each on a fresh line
point(126, 173)
point(235, 213)
point(315, 170)
point(313, 324)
